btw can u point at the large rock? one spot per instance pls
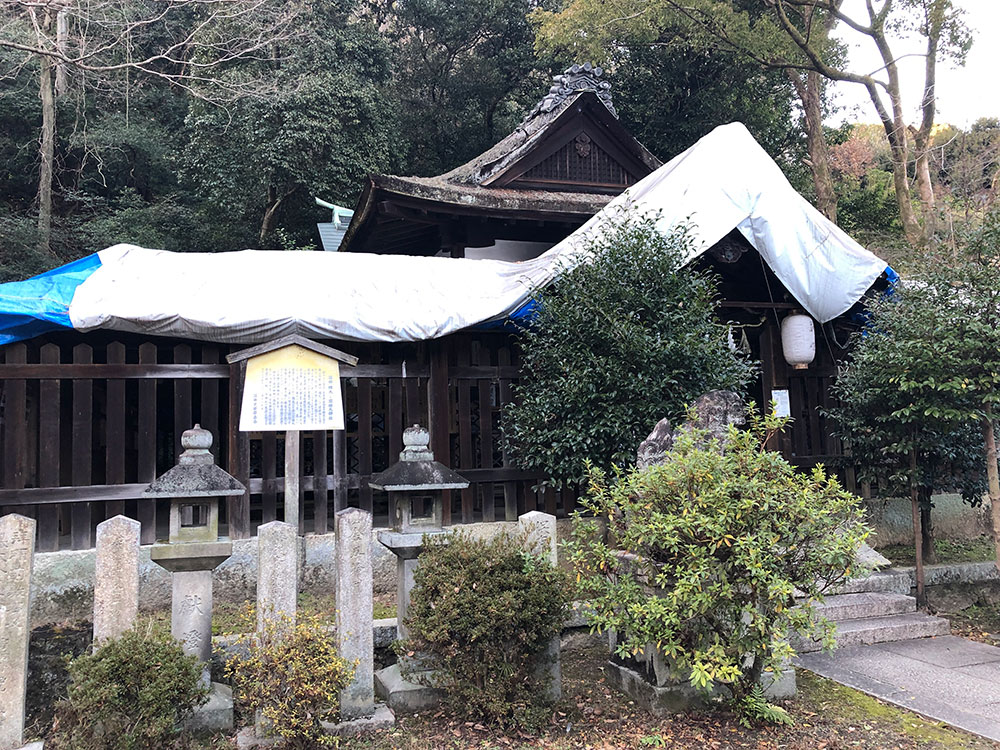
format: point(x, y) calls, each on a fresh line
point(652, 449)
point(714, 412)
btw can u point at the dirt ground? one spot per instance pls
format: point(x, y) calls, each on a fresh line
point(593, 717)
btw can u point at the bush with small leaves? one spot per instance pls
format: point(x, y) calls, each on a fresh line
point(292, 674)
point(132, 693)
point(711, 550)
point(481, 616)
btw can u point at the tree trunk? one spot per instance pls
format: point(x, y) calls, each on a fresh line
point(928, 107)
point(917, 533)
point(62, 44)
point(47, 153)
point(992, 479)
point(896, 131)
point(808, 86)
point(927, 527)
point(901, 182)
point(270, 213)
point(925, 188)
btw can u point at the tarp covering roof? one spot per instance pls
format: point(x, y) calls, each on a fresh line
point(725, 181)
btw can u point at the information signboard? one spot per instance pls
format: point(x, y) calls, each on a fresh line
point(292, 388)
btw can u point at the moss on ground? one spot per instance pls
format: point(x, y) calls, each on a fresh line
point(834, 701)
point(948, 551)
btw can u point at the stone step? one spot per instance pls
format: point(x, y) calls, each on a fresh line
point(865, 604)
point(889, 581)
point(902, 627)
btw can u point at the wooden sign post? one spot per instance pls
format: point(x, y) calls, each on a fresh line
point(292, 384)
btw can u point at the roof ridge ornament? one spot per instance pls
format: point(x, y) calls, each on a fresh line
point(575, 79)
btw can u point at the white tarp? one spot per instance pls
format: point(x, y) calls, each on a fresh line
point(725, 180)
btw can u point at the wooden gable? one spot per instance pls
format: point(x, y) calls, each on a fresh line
point(587, 150)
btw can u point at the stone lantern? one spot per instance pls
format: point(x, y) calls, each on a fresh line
point(416, 507)
point(194, 549)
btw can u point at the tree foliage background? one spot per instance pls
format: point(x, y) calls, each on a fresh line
point(307, 98)
point(617, 344)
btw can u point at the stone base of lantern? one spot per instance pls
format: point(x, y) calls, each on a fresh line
point(670, 696)
point(383, 718)
point(216, 714)
point(403, 696)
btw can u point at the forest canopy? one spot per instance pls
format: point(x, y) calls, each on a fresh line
point(191, 127)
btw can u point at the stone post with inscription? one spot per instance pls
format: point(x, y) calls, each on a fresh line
point(538, 531)
point(116, 580)
point(195, 486)
point(354, 609)
point(191, 615)
point(277, 571)
point(17, 549)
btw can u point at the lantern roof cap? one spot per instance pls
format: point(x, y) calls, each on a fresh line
point(195, 474)
point(416, 469)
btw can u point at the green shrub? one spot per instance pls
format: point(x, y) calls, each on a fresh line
point(619, 342)
point(292, 674)
point(481, 615)
point(718, 543)
point(132, 692)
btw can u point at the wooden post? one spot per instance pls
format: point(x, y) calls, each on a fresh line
point(438, 408)
point(146, 436)
point(320, 497)
point(774, 376)
point(339, 470)
point(292, 478)
point(83, 445)
point(238, 507)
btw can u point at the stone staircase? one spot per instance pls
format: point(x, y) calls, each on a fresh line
point(876, 609)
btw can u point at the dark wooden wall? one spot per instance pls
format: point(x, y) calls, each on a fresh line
point(88, 420)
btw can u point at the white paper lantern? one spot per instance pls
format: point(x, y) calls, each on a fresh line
point(798, 340)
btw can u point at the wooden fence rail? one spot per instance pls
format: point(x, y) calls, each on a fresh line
point(88, 420)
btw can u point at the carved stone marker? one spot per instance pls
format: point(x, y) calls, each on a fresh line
point(116, 583)
point(277, 572)
point(17, 549)
point(191, 616)
point(539, 532)
point(354, 610)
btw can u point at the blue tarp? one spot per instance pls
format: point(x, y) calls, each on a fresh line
point(41, 304)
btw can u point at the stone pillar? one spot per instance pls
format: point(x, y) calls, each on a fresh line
point(277, 571)
point(354, 610)
point(539, 532)
point(191, 615)
point(116, 583)
point(17, 549)
point(405, 568)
